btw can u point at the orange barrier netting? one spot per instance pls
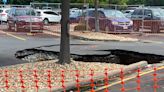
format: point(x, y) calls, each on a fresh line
point(37, 78)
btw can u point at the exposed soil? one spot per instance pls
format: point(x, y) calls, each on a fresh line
point(116, 56)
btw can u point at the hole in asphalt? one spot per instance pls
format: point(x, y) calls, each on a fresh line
point(115, 56)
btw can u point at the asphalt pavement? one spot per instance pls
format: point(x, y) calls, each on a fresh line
point(11, 42)
point(146, 84)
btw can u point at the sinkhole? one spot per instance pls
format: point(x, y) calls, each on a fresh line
point(116, 56)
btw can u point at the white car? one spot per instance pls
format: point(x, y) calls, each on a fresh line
point(3, 14)
point(49, 16)
point(75, 11)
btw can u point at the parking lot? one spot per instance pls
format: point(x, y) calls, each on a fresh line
point(130, 29)
point(111, 19)
point(42, 21)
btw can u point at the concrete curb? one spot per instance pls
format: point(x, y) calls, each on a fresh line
point(87, 39)
point(84, 38)
point(86, 81)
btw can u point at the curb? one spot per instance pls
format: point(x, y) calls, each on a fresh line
point(83, 38)
point(86, 81)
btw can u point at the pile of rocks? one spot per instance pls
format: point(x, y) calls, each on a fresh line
point(100, 36)
point(42, 68)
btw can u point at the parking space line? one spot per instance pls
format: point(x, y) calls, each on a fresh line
point(17, 37)
point(127, 79)
point(151, 41)
point(51, 33)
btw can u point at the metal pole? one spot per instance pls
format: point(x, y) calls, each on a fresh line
point(47, 5)
point(30, 20)
point(115, 16)
point(96, 16)
point(87, 17)
point(143, 16)
point(85, 6)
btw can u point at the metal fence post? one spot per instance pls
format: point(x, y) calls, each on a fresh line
point(87, 7)
point(115, 16)
point(96, 16)
point(30, 20)
point(143, 17)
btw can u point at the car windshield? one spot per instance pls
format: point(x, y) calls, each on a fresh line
point(75, 12)
point(114, 13)
point(162, 12)
point(24, 12)
point(158, 12)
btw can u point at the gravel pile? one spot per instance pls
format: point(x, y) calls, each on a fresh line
point(101, 36)
point(39, 57)
point(93, 35)
point(14, 75)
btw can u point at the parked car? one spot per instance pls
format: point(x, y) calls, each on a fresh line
point(152, 18)
point(110, 20)
point(49, 16)
point(25, 19)
point(3, 14)
point(75, 15)
point(128, 13)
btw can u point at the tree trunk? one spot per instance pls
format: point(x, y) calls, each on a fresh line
point(65, 39)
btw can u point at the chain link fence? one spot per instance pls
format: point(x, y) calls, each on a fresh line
point(111, 18)
point(4, 10)
point(50, 15)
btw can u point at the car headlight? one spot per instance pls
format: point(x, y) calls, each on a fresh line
point(131, 22)
point(114, 22)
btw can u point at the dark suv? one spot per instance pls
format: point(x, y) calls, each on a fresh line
point(152, 19)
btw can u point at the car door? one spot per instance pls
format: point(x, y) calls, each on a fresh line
point(52, 16)
point(11, 17)
point(56, 17)
point(147, 18)
point(140, 15)
point(137, 17)
point(91, 19)
point(102, 20)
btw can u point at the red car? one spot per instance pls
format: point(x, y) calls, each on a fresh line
point(24, 19)
point(110, 21)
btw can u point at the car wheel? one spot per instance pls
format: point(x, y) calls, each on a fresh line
point(15, 27)
point(45, 21)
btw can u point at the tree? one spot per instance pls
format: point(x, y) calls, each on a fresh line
point(132, 2)
point(19, 2)
point(154, 2)
point(65, 40)
point(120, 2)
